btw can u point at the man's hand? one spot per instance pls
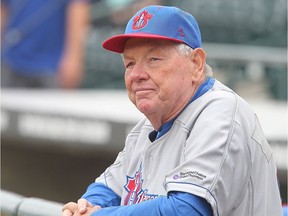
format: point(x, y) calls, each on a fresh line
point(80, 208)
point(88, 211)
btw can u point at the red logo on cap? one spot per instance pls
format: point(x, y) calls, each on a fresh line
point(181, 32)
point(141, 20)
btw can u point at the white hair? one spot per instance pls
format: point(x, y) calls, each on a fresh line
point(186, 50)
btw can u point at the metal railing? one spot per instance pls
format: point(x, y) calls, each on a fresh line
point(13, 204)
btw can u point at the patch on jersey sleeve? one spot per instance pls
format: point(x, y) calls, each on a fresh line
point(136, 193)
point(191, 174)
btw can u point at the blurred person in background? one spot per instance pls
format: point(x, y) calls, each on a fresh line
point(43, 43)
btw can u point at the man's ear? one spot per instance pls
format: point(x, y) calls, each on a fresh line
point(198, 59)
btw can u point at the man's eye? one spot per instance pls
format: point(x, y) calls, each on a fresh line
point(154, 59)
point(129, 64)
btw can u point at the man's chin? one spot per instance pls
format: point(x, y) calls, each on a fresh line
point(144, 106)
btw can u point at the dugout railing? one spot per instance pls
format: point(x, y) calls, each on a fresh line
point(13, 204)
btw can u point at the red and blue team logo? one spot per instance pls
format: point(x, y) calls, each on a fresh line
point(140, 21)
point(134, 188)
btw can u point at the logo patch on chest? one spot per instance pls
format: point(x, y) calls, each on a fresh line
point(136, 193)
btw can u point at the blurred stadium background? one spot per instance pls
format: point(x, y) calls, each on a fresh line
point(55, 142)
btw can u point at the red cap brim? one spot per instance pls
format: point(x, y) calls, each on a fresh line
point(117, 43)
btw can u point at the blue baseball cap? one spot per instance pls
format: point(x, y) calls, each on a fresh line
point(158, 22)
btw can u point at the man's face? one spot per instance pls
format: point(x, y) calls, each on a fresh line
point(157, 77)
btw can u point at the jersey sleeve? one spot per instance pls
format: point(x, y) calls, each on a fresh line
point(215, 163)
point(100, 195)
point(176, 204)
point(114, 176)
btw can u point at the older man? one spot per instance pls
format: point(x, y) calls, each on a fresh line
point(200, 151)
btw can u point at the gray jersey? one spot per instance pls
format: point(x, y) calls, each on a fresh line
point(215, 149)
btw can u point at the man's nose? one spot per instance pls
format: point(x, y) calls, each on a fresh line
point(138, 73)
